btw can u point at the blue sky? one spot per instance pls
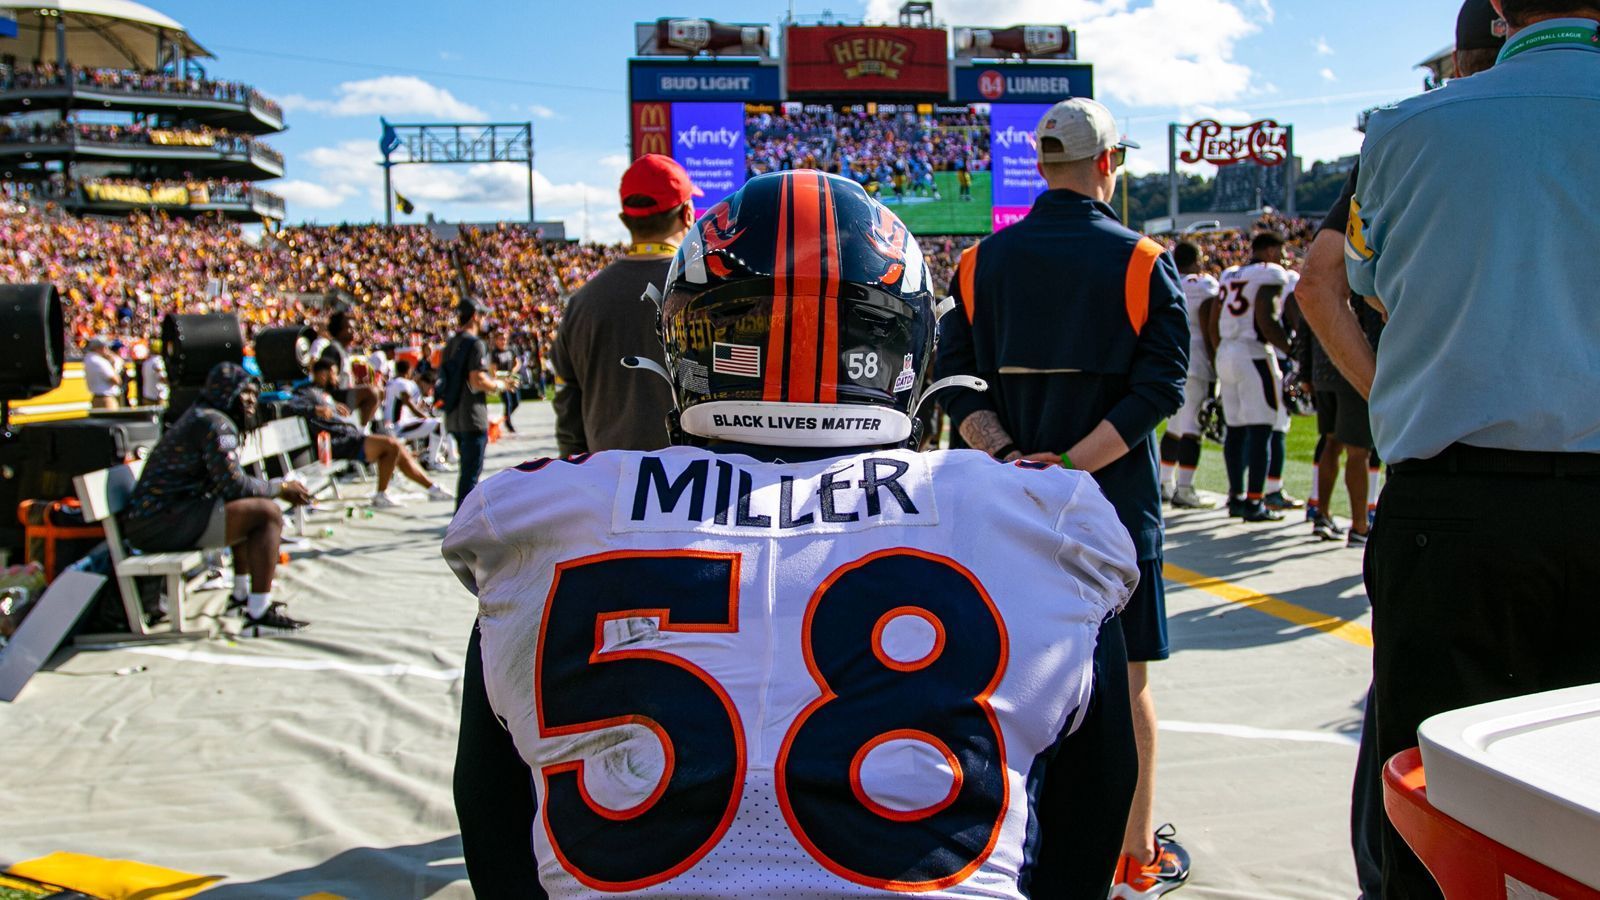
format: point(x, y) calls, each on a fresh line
point(1311, 63)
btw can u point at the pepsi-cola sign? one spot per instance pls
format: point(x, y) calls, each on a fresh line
point(1023, 82)
point(1264, 142)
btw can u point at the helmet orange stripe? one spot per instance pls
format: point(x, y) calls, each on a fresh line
point(806, 286)
point(772, 384)
point(828, 379)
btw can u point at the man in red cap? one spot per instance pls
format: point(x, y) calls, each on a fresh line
point(600, 405)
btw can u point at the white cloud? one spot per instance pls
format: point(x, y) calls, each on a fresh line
point(1327, 143)
point(1162, 53)
point(308, 193)
point(1322, 47)
point(388, 95)
point(1327, 75)
point(540, 111)
point(473, 193)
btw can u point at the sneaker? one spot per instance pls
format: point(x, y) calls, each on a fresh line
point(1167, 492)
point(1167, 872)
point(1187, 497)
point(1356, 539)
point(1372, 517)
point(1280, 500)
point(439, 493)
point(1236, 507)
point(1327, 530)
point(272, 622)
point(382, 500)
point(1312, 513)
point(1258, 511)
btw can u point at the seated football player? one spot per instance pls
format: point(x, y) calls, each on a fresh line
point(792, 657)
point(193, 494)
point(349, 442)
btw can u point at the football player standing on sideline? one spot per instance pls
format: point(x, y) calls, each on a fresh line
point(1466, 610)
point(1249, 329)
point(723, 672)
point(1079, 326)
point(1180, 446)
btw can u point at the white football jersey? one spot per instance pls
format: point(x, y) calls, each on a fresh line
point(738, 679)
point(1240, 289)
point(1197, 289)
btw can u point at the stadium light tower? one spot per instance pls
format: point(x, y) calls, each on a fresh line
point(453, 143)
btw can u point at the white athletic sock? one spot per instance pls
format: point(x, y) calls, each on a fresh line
point(257, 604)
point(1374, 476)
point(1185, 476)
point(1167, 472)
point(1315, 480)
point(241, 586)
point(1274, 485)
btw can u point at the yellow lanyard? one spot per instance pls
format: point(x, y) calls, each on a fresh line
point(652, 249)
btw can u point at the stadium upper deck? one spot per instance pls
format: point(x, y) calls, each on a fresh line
point(177, 139)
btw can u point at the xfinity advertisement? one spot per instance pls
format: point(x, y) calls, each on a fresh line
point(1016, 160)
point(708, 141)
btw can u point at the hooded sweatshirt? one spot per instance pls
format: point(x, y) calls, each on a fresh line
point(197, 458)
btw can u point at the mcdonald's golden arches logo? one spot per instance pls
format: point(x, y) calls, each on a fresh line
point(652, 128)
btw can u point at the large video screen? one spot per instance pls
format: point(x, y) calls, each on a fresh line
point(929, 163)
point(943, 169)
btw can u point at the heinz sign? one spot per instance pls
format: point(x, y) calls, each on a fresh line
point(834, 59)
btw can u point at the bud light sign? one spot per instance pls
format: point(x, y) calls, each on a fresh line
point(708, 141)
point(1016, 158)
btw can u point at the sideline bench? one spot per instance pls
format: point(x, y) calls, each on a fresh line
point(103, 494)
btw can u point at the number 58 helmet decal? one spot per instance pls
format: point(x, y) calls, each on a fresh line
point(798, 312)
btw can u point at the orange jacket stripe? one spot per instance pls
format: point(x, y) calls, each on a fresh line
point(1137, 290)
point(967, 280)
point(805, 287)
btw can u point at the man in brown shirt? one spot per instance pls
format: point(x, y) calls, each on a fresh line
point(599, 404)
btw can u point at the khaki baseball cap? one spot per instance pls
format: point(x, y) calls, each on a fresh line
point(1076, 129)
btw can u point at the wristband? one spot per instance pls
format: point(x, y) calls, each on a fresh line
point(1066, 462)
point(1005, 451)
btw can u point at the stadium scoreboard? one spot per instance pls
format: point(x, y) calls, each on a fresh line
point(946, 142)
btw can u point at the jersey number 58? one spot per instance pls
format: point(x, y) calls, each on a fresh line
point(867, 698)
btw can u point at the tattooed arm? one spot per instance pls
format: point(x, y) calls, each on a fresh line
point(982, 431)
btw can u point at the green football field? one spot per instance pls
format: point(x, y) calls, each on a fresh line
point(948, 215)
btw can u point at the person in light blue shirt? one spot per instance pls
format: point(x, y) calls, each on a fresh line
point(1477, 208)
point(1475, 224)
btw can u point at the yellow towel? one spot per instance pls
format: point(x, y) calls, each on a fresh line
point(113, 879)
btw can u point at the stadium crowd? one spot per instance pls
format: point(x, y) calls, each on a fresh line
point(47, 75)
point(868, 147)
point(101, 133)
point(119, 276)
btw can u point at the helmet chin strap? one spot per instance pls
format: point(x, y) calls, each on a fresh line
point(969, 382)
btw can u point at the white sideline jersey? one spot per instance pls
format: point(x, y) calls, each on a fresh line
point(1197, 289)
point(1240, 290)
point(738, 679)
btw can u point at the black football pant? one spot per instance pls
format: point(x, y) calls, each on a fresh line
point(1481, 570)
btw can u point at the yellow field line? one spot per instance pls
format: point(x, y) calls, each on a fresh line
point(1343, 629)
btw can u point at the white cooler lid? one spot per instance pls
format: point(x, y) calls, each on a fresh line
point(1524, 772)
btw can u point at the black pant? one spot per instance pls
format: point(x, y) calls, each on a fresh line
point(1481, 588)
point(473, 445)
point(512, 401)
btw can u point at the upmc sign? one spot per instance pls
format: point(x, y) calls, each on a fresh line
point(1023, 83)
point(652, 129)
point(858, 60)
point(702, 82)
